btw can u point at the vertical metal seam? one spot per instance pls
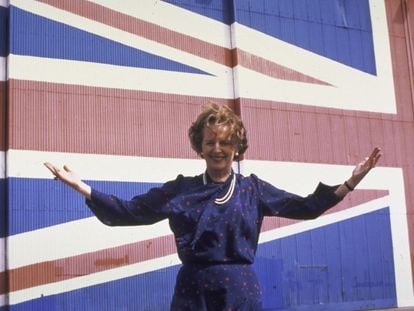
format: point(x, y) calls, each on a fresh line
point(234, 63)
point(6, 129)
point(409, 47)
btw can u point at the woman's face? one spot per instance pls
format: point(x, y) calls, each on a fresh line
point(218, 150)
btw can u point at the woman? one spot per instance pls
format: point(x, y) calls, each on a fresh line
point(216, 216)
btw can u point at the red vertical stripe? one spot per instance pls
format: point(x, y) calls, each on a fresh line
point(3, 116)
point(399, 132)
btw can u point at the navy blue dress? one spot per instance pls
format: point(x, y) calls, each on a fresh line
point(215, 242)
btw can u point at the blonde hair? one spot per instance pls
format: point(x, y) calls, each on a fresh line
point(213, 115)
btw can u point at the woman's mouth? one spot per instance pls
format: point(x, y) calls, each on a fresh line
point(218, 158)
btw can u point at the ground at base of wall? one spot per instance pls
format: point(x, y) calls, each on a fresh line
point(396, 309)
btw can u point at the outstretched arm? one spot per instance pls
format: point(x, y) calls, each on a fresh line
point(359, 173)
point(70, 178)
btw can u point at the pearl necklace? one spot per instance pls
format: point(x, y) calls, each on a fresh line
point(227, 196)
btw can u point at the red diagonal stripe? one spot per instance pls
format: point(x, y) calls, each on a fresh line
point(85, 264)
point(271, 69)
point(145, 29)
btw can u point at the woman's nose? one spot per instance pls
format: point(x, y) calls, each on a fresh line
point(217, 147)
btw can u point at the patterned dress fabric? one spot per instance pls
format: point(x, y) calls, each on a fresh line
point(215, 242)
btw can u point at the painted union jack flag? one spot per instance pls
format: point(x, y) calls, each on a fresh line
point(110, 88)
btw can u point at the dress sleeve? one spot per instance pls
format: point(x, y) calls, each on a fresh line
point(144, 209)
point(276, 202)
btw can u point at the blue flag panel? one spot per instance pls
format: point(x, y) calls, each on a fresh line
point(35, 33)
point(314, 270)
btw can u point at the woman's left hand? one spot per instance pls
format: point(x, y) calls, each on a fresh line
point(359, 173)
point(364, 167)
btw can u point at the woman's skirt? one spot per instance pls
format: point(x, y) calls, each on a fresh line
point(217, 287)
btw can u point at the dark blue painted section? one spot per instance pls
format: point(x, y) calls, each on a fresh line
point(219, 10)
point(147, 292)
point(4, 27)
point(3, 200)
point(338, 267)
point(337, 29)
point(34, 35)
point(343, 266)
point(39, 203)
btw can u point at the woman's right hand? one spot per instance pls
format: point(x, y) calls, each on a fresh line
point(70, 178)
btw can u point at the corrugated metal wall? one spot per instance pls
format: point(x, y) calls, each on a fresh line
point(112, 88)
point(356, 252)
point(3, 128)
point(399, 131)
point(87, 91)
